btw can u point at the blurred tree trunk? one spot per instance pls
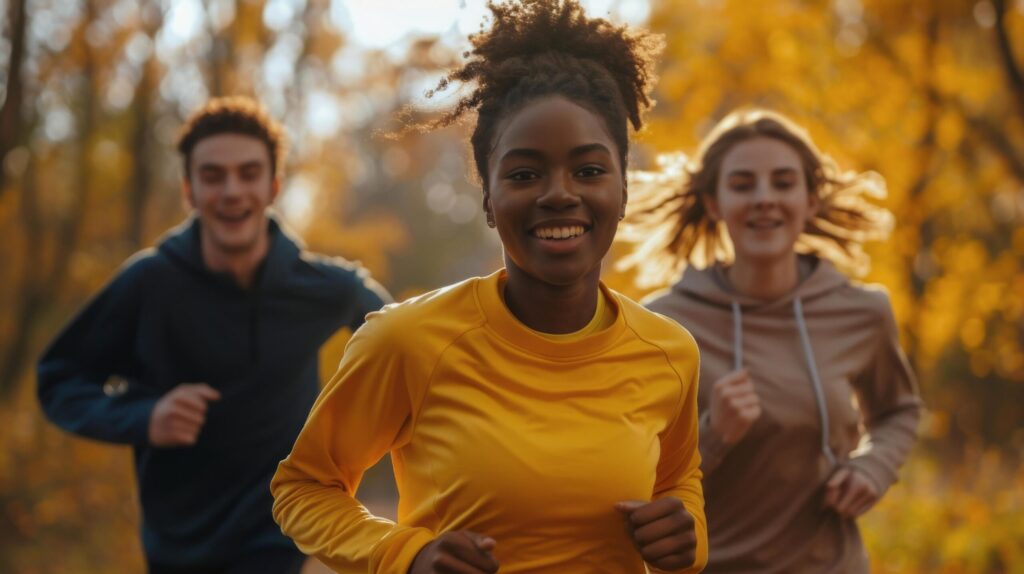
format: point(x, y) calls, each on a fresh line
point(221, 56)
point(140, 182)
point(30, 298)
point(69, 228)
point(39, 287)
point(11, 121)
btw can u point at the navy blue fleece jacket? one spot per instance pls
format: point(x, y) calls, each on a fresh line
point(165, 319)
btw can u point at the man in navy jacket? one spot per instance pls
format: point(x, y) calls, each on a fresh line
point(202, 353)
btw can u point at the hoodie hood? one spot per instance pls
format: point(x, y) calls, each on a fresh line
point(182, 245)
point(712, 286)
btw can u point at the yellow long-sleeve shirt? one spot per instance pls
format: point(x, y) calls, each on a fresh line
point(497, 429)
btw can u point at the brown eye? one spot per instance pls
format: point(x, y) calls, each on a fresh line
point(784, 180)
point(523, 175)
point(740, 182)
point(591, 171)
point(211, 176)
point(251, 174)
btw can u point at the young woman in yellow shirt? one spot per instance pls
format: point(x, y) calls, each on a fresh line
point(537, 420)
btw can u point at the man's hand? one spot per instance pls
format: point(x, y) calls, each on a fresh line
point(662, 531)
point(734, 406)
point(179, 415)
point(850, 493)
point(458, 552)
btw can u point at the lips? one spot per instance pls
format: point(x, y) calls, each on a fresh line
point(234, 217)
point(765, 224)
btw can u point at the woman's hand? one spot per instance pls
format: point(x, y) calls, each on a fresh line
point(850, 493)
point(662, 531)
point(734, 406)
point(458, 552)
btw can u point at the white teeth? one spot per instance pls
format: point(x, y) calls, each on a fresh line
point(559, 232)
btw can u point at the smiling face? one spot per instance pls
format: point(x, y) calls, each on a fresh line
point(230, 186)
point(555, 191)
point(762, 197)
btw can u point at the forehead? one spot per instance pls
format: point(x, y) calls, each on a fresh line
point(230, 149)
point(761, 154)
point(553, 125)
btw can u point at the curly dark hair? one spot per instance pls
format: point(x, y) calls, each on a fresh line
point(538, 48)
point(234, 115)
point(672, 228)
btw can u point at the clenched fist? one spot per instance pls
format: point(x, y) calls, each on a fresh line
point(850, 493)
point(735, 406)
point(458, 552)
point(179, 415)
point(662, 531)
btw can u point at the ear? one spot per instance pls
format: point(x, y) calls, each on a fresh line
point(487, 204)
point(813, 205)
point(625, 200)
point(275, 188)
point(711, 206)
point(188, 201)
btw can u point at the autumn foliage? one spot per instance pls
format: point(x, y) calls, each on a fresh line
point(928, 93)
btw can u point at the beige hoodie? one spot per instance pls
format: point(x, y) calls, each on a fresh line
point(827, 351)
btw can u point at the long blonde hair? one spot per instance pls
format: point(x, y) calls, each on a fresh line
point(671, 227)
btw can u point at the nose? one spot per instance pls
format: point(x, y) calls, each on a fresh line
point(232, 186)
point(764, 195)
point(559, 193)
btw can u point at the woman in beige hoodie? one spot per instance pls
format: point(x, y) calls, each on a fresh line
point(808, 406)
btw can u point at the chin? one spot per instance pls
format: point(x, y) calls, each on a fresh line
point(764, 256)
point(563, 277)
point(236, 243)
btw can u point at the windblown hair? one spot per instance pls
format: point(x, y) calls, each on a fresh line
point(539, 48)
point(234, 115)
point(672, 228)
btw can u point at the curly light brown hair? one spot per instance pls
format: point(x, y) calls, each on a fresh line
point(235, 115)
point(670, 224)
point(542, 48)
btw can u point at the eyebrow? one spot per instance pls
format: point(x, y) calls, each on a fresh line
point(530, 153)
point(218, 166)
point(748, 173)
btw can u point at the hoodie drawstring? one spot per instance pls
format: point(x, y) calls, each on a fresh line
point(805, 340)
point(737, 336)
point(819, 391)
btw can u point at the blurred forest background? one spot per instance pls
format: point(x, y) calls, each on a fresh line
point(929, 93)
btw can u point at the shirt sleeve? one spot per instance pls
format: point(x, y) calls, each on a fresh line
point(370, 296)
point(712, 448)
point(365, 411)
point(96, 345)
point(679, 472)
point(890, 405)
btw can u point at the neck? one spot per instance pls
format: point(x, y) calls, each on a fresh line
point(765, 280)
point(241, 265)
point(555, 309)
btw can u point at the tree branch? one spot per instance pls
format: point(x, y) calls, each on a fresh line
point(985, 128)
point(1010, 66)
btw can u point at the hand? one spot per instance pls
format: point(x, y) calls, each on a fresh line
point(734, 406)
point(662, 531)
point(458, 552)
point(850, 493)
point(179, 415)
